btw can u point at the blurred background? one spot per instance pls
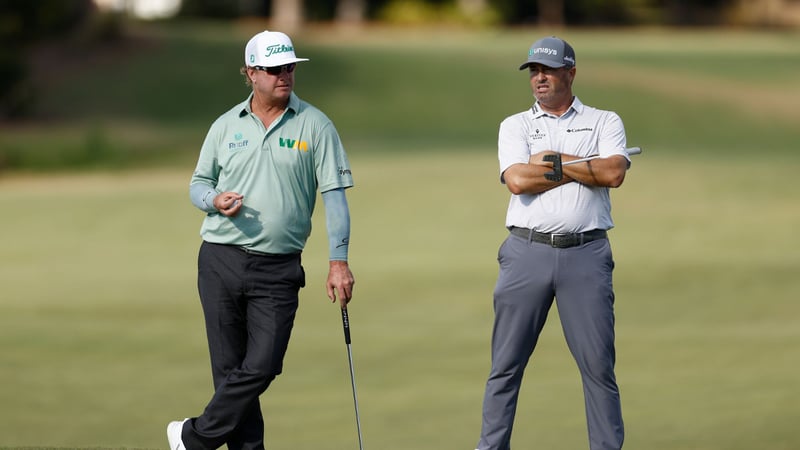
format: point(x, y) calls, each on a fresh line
point(105, 104)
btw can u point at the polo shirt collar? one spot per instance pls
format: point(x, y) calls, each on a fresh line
point(576, 105)
point(245, 109)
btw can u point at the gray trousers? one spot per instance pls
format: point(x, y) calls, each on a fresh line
point(249, 303)
point(579, 278)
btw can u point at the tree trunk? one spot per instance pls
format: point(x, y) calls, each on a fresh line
point(472, 7)
point(287, 15)
point(351, 12)
point(551, 12)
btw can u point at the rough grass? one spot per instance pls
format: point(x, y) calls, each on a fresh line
point(102, 337)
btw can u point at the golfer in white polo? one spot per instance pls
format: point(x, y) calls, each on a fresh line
point(557, 247)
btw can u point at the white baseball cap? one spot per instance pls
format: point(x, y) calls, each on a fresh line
point(270, 49)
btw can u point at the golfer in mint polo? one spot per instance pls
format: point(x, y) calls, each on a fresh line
point(257, 178)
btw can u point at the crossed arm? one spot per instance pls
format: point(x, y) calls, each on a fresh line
point(528, 178)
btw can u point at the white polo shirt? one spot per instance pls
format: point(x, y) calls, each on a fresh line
point(582, 131)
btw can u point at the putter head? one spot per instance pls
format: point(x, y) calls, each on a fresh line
point(557, 174)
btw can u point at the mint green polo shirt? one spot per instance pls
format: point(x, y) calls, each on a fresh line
point(278, 171)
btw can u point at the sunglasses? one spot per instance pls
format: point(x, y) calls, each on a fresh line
point(277, 70)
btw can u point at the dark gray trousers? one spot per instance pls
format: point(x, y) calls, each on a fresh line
point(579, 278)
point(249, 302)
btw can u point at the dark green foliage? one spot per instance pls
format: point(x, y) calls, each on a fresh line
point(22, 24)
point(151, 97)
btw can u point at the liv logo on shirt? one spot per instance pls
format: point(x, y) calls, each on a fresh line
point(293, 144)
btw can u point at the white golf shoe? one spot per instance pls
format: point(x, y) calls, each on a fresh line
point(174, 430)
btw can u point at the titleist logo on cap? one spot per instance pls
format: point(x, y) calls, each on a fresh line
point(275, 49)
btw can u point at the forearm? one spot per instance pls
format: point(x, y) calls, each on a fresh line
point(202, 196)
point(337, 217)
point(600, 172)
point(530, 179)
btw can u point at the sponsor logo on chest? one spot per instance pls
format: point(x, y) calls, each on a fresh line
point(537, 135)
point(238, 142)
point(580, 130)
point(293, 144)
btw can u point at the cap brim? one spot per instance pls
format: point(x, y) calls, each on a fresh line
point(283, 62)
point(544, 63)
point(296, 60)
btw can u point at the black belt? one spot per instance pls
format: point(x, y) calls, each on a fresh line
point(559, 240)
point(250, 251)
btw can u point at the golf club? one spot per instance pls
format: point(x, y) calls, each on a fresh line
point(630, 151)
point(346, 326)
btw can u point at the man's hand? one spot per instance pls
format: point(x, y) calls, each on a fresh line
point(228, 203)
point(340, 282)
point(537, 159)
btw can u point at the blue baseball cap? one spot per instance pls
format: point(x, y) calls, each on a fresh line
point(551, 52)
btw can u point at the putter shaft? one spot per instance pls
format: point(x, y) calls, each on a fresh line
point(346, 327)
point(630, 151)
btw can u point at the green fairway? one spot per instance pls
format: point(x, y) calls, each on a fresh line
point(101, 331)
point(102, 336)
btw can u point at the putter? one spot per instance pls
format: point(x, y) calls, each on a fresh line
point(346, 326)
point(630, 151)
point(557, 174)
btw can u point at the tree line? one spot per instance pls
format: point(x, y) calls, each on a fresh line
point(25, 24)
point(541, 12)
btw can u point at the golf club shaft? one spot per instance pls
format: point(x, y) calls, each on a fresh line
point(346, 327)
point(630, 151)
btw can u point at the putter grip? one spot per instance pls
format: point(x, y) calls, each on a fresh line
point(346, 326)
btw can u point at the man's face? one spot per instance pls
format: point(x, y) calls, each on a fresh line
point(274, 84)
point(550, 86)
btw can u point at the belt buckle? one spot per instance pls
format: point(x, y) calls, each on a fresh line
point(553, 237)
